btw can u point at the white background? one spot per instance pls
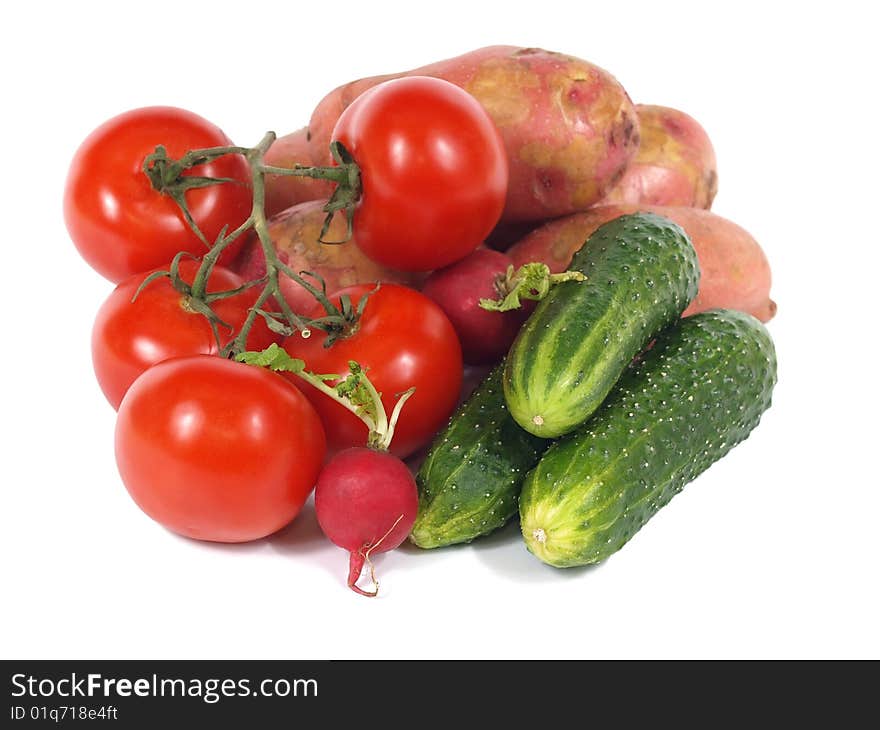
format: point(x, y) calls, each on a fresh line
point(772, 553)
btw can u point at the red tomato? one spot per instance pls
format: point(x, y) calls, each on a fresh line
point(216, 450)
point(403, 340)
point(433, 172)
point(118, 222)
point(129, 337)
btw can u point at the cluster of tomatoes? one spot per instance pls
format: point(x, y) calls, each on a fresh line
point(219, 450)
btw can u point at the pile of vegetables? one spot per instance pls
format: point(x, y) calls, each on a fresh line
point(301, 315)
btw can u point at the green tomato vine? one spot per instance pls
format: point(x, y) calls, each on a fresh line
point(167, 176)
point(354, 391)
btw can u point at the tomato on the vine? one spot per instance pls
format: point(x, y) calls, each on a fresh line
point(217, 450)
point(130, 336)
point(119, 223)
point(403, 340)
point(433, 172)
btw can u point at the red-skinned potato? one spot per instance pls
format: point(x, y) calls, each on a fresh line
point(284, 191)
point(675, 164)
point(735, 273)
point(295, 234)
point(568, 126)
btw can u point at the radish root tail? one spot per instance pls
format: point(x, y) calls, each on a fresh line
point(356, 565)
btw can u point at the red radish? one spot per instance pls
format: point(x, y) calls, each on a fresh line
point(483, 297)
point(366, 501)
point(485, 336)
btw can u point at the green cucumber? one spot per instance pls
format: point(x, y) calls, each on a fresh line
point(470, 480)
point(696, 394)
point(642, 272)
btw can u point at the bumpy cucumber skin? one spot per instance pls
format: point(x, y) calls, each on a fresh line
point(698, 393)
point(642, 272)
point(470, 481)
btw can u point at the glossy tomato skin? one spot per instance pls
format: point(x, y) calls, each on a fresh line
point(129, 337)
point(433, 169)
point(217, 450)
point(118, 222)
point(404, 340)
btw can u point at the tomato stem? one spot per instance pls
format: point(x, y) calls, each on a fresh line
point(334, 174)
point(347, 176)
point(167, 176)
point(226, 293)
